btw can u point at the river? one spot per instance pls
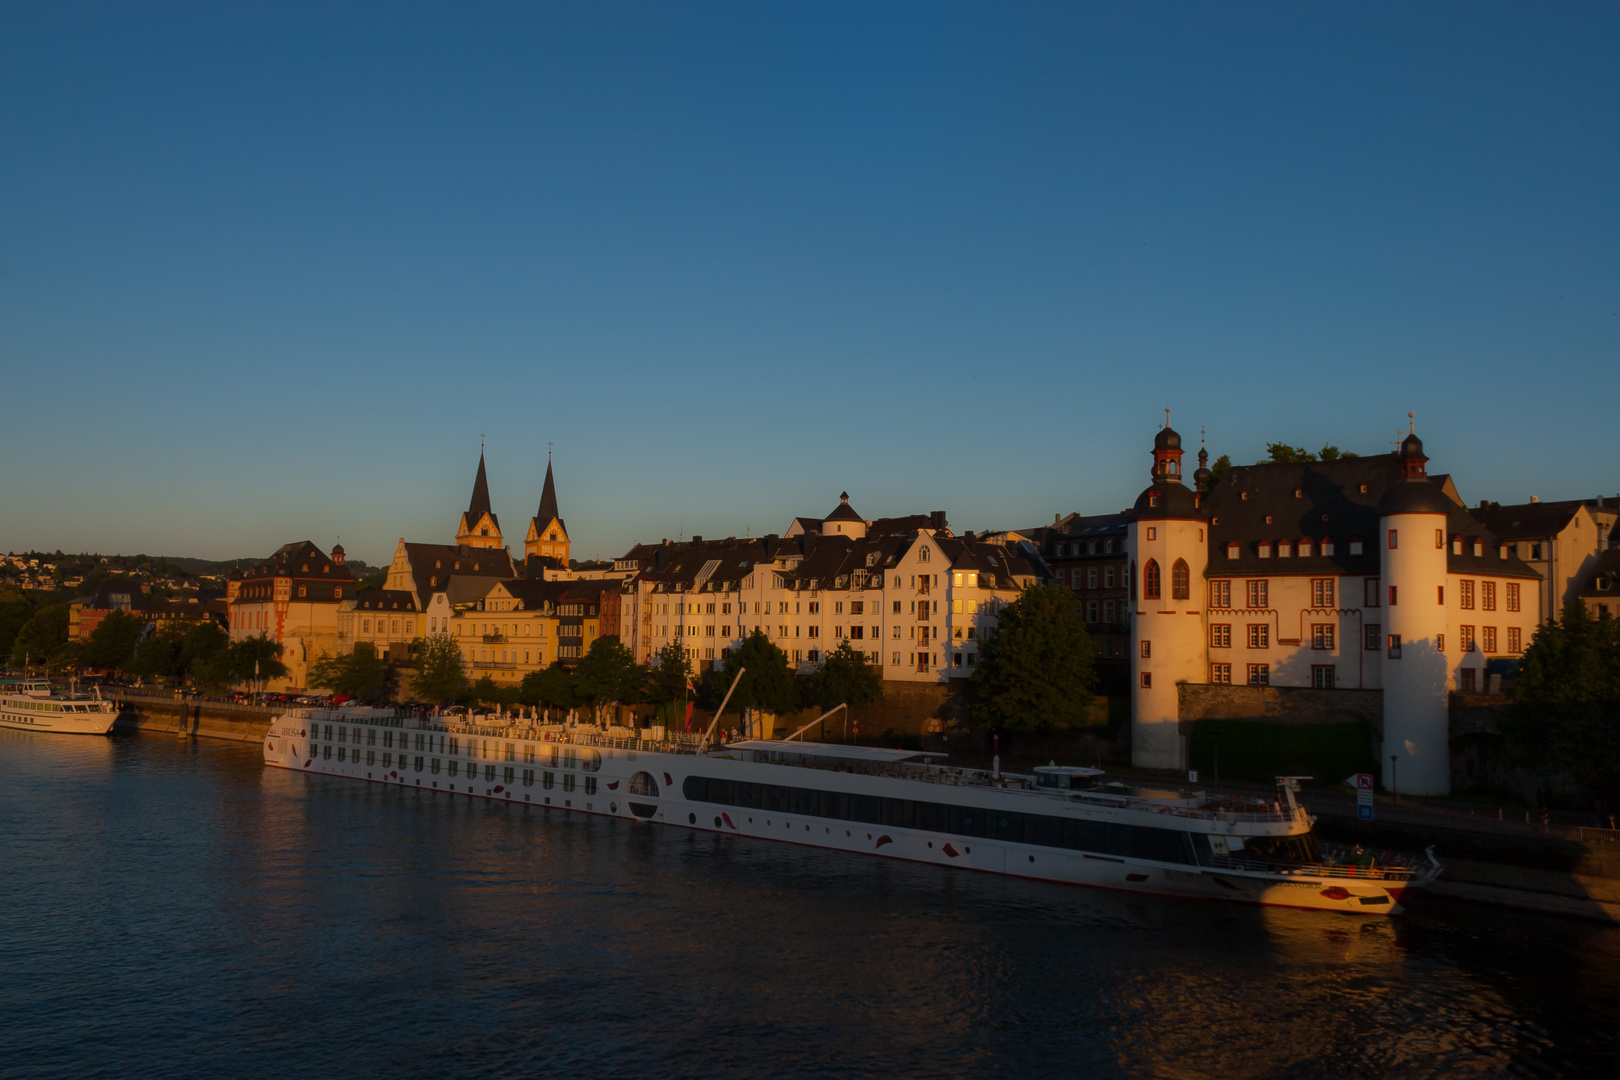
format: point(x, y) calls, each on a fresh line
point(172, 908)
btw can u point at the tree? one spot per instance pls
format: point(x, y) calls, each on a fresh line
point(847, 677)
point(43, 634)
point(1282, 453)
point(112, 643)
point(362, 673)
point(1565, 718)
point(157, 657)
point(441, 675)
point(670, 673)
point(768, 683)
point(1035, 669)
point(609, 672)
point(202, 642)
point(552, 687)
point(1216, 471)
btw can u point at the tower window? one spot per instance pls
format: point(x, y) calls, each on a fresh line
point(1180, 580)
point(1150, 580)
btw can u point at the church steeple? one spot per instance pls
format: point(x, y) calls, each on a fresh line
point(548, 536)
point(548, 496)
point(479, 527)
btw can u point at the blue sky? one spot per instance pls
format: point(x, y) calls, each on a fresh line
point(267, 271)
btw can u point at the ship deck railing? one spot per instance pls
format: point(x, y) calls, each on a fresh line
point(1382, 866)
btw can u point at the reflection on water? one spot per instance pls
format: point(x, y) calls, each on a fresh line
point(173, 908)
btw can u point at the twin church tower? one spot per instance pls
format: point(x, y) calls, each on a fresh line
point(480, 528)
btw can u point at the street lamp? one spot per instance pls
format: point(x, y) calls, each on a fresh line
point(1394, 784)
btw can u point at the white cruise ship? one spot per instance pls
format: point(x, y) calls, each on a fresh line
point(29, 705)
point(1060, 824)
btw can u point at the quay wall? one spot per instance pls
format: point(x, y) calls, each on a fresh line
point(205, 720)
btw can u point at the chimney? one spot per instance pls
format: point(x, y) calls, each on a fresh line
point(1535, 499)
point(937, 518)
point(696, 539)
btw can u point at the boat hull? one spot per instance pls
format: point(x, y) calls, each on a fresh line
point(607, 792)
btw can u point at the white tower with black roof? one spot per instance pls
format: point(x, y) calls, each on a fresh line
point(1168, 552)
point(1412, 521)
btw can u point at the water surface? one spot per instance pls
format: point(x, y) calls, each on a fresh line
point(172, 908)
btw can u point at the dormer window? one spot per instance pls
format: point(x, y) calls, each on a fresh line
point(1364, 489)
point(1285, 549)
point(1479, 547)
point(325, 569)
point(1244, 496)
point(1502, 551)
point(1456, 545)
point(1233, 550)
point(1265, 549)
point(435, 564)
point(1327, 547)
point(1268, 519)
point(1153, 500)
point(1355, 545)
point(1299, 493)
point(1304, 549)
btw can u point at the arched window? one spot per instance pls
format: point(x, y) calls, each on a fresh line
point(1179, 587)
point(1150, 580)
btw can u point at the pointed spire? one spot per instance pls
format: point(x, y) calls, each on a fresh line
point(548, 498)
point(480, 495)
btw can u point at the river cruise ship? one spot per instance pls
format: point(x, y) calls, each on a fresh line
point(1058, 824)
point(29, 705)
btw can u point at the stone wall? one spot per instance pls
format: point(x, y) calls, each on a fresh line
point(1281, 705)
point(208, 720)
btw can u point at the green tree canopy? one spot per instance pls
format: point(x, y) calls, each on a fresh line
point(1217, 469)
point(43, 634)
point(361, 673)
point(670, 673)
point(609, 672)
point(1565, 718)
point(768, 683)
point(554, 687)
point(1035, 669)
point(847, 677)
point(157, 657)
point(441, 674)
point(1282, 453)
point(112, 643)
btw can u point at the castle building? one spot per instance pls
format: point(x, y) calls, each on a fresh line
point(1357, 573)
point(293, 598)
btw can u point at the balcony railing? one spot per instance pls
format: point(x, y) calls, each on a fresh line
point(493, 638)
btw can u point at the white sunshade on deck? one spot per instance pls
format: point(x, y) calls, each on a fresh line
point(829, 750)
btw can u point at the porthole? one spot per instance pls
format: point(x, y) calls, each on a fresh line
point(717, 823)
point(869, 836)
point(1032, 858)
point(846, 832)
point(691, 819)
point(930, 843)
point(968, 851)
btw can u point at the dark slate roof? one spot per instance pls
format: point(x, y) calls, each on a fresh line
point(1330, 500)
point(385, 600)
point(479, 506)
point(454, 561)
point(291, 560)
point(122, 595)
point(843, 511)
point(1528, 521)
point(1166, 499)
point(548, 502)
point(1602, 580)
point(1076, 528)
point(807, 524)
